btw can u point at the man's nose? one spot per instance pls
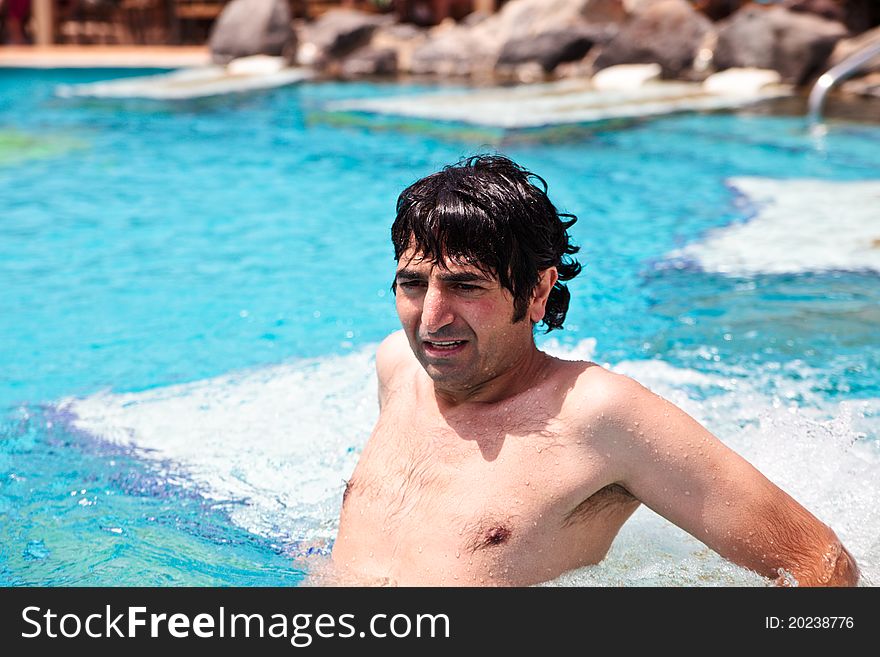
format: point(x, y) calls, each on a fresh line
point(436, 312)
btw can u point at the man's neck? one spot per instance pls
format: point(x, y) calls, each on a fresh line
point(523, 374)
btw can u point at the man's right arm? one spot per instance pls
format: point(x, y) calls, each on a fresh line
point(392, 351)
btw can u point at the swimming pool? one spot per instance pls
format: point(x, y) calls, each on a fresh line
point(191, 294)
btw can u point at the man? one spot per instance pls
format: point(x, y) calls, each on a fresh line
point(493, 463)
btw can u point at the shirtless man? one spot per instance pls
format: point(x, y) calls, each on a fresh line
point(493, 463)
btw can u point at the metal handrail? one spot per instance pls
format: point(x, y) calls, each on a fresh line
point(834, 75)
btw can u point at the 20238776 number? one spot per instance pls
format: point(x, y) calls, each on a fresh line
point(809, 622)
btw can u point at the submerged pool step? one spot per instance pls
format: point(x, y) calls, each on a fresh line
point(575, 101)
point(247, 74)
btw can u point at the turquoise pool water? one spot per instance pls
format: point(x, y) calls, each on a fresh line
point(190, 293)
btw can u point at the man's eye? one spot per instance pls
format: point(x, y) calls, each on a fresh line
point(410, 285)
point(467, 287)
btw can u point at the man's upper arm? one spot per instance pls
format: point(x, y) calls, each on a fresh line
point(676, 467)
point(392, 352)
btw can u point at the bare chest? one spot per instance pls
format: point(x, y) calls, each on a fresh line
point(503, 498)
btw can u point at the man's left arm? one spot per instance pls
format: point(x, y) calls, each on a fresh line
point(676, 467)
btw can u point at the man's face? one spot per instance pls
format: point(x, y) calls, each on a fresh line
point(459, 321)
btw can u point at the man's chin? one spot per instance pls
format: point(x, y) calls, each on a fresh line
point(448, 376)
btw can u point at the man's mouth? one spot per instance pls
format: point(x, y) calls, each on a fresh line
point(443, 347)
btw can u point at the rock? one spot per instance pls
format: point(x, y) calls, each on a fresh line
point(474, 49)
point(336, 34)
point(795, 44)
point(847, 47)
point(548, 49)
point(370, 61)
point(741, 81)
point(403, 38)
point(256, 65)
point(252, 27)
point(868, 85)
point(828, 9)
point(456, 52)
point(625, 77)
point(528, 73)
point(668, 32)
point(519, 19)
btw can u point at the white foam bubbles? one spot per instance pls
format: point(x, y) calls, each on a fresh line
point(825, 454)
point(801, 226)
point(283, 439)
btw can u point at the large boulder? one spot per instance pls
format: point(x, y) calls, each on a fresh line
point(252, 27)
point(795, 44)
point(520, 19)
point(337, 33)
point(454, 51)
point(550, 48)
point(475, 49)
point(668, 32)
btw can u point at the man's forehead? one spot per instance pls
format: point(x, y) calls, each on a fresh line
point(422, 263)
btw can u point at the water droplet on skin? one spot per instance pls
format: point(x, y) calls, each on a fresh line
point(371, 553)
point(457, 554)
point(687, 492)
point(420, 551)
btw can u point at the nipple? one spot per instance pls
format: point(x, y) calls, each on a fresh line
point(497, 535)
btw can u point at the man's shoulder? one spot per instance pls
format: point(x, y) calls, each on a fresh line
point(598, 391)
point(392, 352)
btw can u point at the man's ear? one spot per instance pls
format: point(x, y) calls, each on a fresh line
point(546, 280)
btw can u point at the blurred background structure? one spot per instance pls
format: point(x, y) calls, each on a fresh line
point(184, 21)
point(189, 21)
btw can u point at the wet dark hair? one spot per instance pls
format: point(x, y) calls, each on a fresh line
point(486, 211)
